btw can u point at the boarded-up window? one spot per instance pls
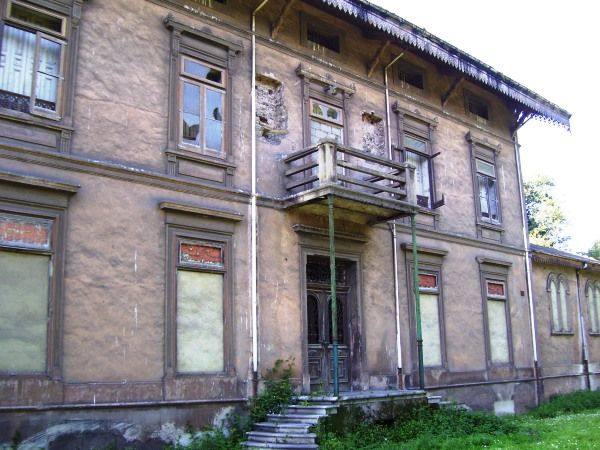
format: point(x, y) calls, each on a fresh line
point(498, 331)
point(430, 322)
point(23, 311)
point(497, 323)
point(430, 319)
point(199, 321)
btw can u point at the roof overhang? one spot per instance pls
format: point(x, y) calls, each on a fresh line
point(424, 41)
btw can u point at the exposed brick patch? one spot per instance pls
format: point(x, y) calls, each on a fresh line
point(25, 231)
point(271, 113)
point(201, 254)
point(427, 281)
point(373, 139)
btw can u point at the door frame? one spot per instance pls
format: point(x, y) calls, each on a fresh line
point(357, 346)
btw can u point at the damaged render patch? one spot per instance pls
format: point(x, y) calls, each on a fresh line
point(373, 138)
point(271, 113)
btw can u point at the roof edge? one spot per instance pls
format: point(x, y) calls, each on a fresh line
point(421, 39)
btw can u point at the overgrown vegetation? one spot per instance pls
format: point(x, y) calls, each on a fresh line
point(277, 393)
point(550, 425)
point(574, 402)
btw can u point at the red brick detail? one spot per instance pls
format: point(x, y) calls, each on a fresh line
point(201, 254)
point(427, 281)
point(495, 289)
point(24, 232)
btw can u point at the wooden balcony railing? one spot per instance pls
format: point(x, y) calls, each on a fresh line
point(329, 163)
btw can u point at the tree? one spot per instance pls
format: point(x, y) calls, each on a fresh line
point(594, 250)
point(545, 218)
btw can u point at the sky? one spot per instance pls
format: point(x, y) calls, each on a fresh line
point(550, 47)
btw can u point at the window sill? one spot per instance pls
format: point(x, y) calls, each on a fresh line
point(201, 157)
point(595, 333)
point(48, 122)
point(496, 226)
point(563, 333)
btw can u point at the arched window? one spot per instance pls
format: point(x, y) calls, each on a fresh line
point(559, 295)
point(592, 292)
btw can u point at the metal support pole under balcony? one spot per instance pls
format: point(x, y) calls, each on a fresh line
point(333, 282)
point(415, 254)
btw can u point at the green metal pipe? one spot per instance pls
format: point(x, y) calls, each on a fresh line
point(333, 282)
point(415, 254)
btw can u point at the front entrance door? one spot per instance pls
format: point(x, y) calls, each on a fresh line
point(320, 339)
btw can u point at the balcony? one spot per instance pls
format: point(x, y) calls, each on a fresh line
point(367, 188)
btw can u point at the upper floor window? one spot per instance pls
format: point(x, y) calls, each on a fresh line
point(321, 37)
point(592, 293)
point(414, 136)
point(489, 209)
point(477, 108)
point(326, 122)
point(558, 290)
point(32, 60)
point(410, 75)
point(202, 91)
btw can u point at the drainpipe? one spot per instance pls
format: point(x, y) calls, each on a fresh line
point(582, 336)
point(538, 394)
point(254, 214)
point(400, 378)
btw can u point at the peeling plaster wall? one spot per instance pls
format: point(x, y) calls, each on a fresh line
point(271, 111)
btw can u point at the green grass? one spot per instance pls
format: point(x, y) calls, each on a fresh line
point(569, 421)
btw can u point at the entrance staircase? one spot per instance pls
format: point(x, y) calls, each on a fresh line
point(292, 428)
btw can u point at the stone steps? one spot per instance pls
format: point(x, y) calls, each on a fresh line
point(292, 428)
point(282, 438)
point(253, 444)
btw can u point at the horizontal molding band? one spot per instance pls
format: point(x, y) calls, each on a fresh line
point(144, 404)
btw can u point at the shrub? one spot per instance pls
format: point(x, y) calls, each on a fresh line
point(568, 403)
point(278, 391)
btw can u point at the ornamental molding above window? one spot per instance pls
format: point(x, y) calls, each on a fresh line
point(484, 142)
point(175, 25)
point(330, 85)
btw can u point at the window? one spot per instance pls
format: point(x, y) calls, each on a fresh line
point(26, 251)
point(416, 153)
point(429, 295)
point(488, 191)
point(320, 37)
point(415, 148)
point(410, 75)
point(200, 287)
point(557, 287)
point(477, 108)
point(326, 122)
point(202, 88)
point(32, 60)
point(592, 293)
point(497, 324)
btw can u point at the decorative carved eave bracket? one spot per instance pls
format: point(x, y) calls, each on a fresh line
point(329, 83)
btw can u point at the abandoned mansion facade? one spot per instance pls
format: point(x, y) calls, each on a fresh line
point(170, 174)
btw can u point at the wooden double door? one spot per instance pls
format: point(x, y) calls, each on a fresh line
point(320, 337)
